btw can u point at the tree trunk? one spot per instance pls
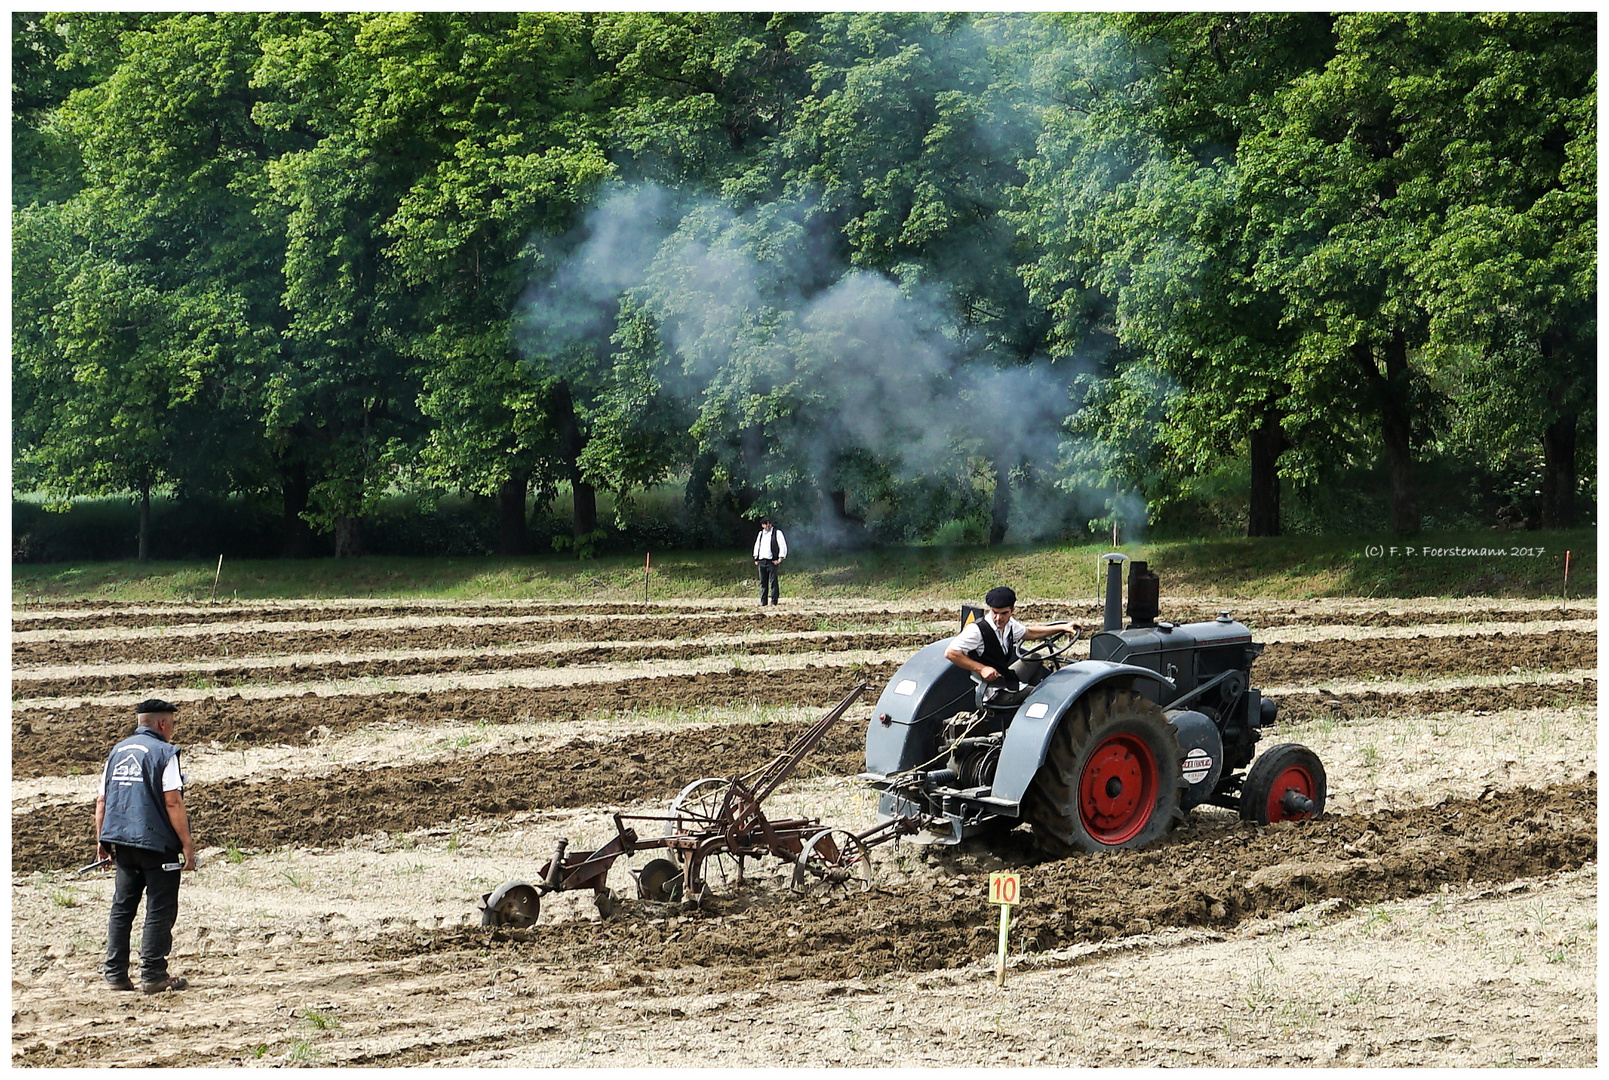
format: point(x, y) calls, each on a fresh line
point(572, 440)
point(1268, 442)
point(348, 536)
point(1396, 427)
point(1558, 474)
point(696, 496)
point(1000, 510)
point(145, 523)
point(296, 536)
point(1558, 438)
point(511, 538)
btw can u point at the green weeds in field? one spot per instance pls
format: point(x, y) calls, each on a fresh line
point(1378, 918)
point(320, 1020)
point(302, 1050)
point(65, 898)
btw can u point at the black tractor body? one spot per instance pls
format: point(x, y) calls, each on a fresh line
point(1099, 753)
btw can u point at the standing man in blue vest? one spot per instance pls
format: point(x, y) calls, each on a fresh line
point(141, 825)
point(770, 548)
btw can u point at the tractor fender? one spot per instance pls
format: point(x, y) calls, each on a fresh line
point(927, 687)
point(1036, 718)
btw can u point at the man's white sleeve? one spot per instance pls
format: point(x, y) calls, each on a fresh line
point(171, 780)
point(782, 545)
point(969, 640)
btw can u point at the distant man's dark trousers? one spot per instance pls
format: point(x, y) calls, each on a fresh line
point(140, 872)
point(768, 575)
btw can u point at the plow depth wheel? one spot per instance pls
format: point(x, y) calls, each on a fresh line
point(833, 861)
point(1286, 783)
point(513, 903)
point(697, 809)
point(1111, 776)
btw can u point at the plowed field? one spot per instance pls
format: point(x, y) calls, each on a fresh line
point(360, 772)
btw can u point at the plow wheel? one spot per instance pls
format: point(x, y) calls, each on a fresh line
point(1286, 783)
point(833, 861)
point(660, 881)
point(513, 903)
point(1111, 776)
point(697, 809)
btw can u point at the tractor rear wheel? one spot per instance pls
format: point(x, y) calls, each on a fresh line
point(1111, 776)
point(1285, 783)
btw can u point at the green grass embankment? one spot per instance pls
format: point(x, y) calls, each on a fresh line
point(1531, 565)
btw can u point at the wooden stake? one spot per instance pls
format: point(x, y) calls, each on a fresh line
point(1567, 575)
point(219, 574)
point(647, 560)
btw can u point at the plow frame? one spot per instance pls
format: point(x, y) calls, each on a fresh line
point(737, 827)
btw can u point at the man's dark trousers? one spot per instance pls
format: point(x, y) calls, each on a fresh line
point(140, 871)
point(768, 573)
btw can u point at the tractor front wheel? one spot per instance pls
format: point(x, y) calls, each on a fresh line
point(1111, 777)
point(1286, 783)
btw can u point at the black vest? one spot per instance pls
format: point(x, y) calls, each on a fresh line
point(996, 652)
point(136, 808)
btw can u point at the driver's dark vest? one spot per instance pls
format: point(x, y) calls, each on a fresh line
point(996, 653)
point(136, 808)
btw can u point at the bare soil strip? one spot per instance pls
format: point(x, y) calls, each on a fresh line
point(56, 646)
point(90, 615)
point(42, 653)
point(1211, 873)
point(60, 740)
point(1293, 662)
point(1385, 982)
point(296, 670)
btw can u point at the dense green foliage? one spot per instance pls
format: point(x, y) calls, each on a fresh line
point(892, 276)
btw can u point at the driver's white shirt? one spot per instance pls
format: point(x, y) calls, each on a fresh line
point(970, 639)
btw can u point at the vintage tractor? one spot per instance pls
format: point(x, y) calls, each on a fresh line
point(1096, 754)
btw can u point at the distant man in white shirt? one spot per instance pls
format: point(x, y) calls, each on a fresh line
point(988, 647)
point(770, 548)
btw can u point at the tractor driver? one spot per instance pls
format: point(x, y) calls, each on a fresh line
point(988, 647)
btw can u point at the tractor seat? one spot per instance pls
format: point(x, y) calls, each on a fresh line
point(999, 697)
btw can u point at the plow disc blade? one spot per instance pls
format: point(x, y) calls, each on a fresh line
point(513, 903)
point(660, 881)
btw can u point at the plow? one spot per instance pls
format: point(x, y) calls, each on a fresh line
point(715, 826)
point(1097, 754)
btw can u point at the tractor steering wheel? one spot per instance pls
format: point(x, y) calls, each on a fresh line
point(1043, 650)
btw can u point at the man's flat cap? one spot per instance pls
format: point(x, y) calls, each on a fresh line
point(154, 705)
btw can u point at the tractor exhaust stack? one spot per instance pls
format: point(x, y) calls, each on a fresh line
point(1114, 590)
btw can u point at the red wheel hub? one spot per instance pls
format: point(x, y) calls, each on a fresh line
point(1118, 788)
point(1294, 778)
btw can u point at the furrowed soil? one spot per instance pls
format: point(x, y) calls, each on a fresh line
point(360, 772)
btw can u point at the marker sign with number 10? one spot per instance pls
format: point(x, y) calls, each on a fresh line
point(1004, 888)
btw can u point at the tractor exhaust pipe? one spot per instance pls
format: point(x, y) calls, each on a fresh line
point(1114, 590)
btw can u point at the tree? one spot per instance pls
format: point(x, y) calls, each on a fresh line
point(1136, 193)
point(516, 154)
point(133, 329)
